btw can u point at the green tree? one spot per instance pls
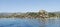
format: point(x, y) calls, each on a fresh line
point(51, 14)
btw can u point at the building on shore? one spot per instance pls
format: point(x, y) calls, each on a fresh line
point(43, 14)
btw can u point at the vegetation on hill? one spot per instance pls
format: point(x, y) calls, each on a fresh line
point(40, 14)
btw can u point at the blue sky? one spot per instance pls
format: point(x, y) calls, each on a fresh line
point(29, 5)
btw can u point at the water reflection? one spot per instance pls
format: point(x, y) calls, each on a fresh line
point(30, 22)
point(49, 22)
point(43, 22)
point(53, 23)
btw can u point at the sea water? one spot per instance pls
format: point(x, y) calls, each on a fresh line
point(17, 22)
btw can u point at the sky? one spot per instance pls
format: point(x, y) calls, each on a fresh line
point(29, 5)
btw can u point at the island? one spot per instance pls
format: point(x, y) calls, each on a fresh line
point(40, 14)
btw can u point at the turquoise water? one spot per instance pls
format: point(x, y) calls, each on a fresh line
point(9, 22)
